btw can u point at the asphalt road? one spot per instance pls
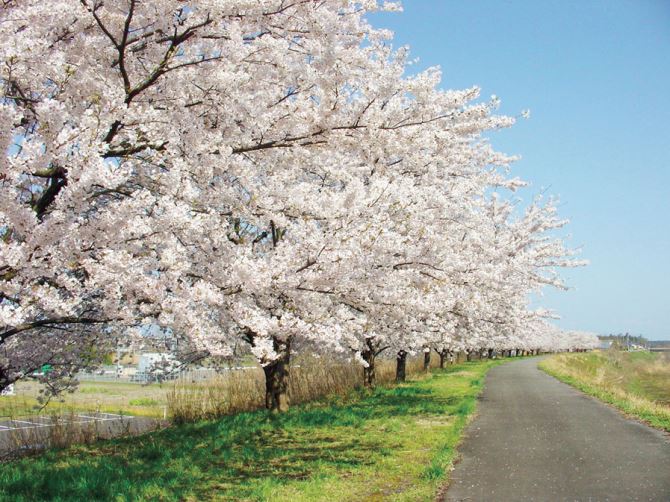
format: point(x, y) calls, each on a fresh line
point(538, 439)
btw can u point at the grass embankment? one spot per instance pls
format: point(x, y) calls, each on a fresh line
point(638, 383)
point(392, 443)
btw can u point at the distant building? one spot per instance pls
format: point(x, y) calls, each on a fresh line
point(154, 366)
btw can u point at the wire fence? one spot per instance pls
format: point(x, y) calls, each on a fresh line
point(143, 377)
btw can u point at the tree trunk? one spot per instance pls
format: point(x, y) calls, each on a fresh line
point(468, 355)
point(401, 366)
point(426, 361)
point(369, 375)
point(276, 377)
point(443, 355)
point(5, 382)
point(490, 353)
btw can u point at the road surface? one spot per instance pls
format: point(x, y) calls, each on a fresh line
point(537, 439)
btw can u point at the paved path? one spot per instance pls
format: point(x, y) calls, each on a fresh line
point(538, 439)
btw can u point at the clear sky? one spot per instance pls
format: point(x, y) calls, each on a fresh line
point(596, 76)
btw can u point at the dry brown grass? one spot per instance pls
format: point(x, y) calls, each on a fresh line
point(310, 378)
point(636, 382)
point(57, 430)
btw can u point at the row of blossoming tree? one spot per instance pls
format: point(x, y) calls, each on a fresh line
point(252, 173)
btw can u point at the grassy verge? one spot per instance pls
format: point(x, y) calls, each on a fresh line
point(391, 443)
point(636, 383)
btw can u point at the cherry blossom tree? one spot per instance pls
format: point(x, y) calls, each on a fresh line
point(249, 172)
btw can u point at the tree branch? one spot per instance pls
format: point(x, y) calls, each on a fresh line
point(45, 323)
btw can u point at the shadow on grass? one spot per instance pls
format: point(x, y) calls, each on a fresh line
point(230, 456)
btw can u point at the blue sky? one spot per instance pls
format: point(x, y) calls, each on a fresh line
point(596, 76)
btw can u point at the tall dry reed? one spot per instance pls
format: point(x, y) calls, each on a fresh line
point(311, 378)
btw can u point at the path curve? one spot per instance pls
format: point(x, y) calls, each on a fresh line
point(537, 439)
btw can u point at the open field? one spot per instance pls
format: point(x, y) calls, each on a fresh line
point(110, 397)
point(638, 383)
point(393, 442)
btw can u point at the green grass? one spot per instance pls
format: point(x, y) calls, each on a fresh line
point(143, 401)
point(394, 443)
point(637, 383)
